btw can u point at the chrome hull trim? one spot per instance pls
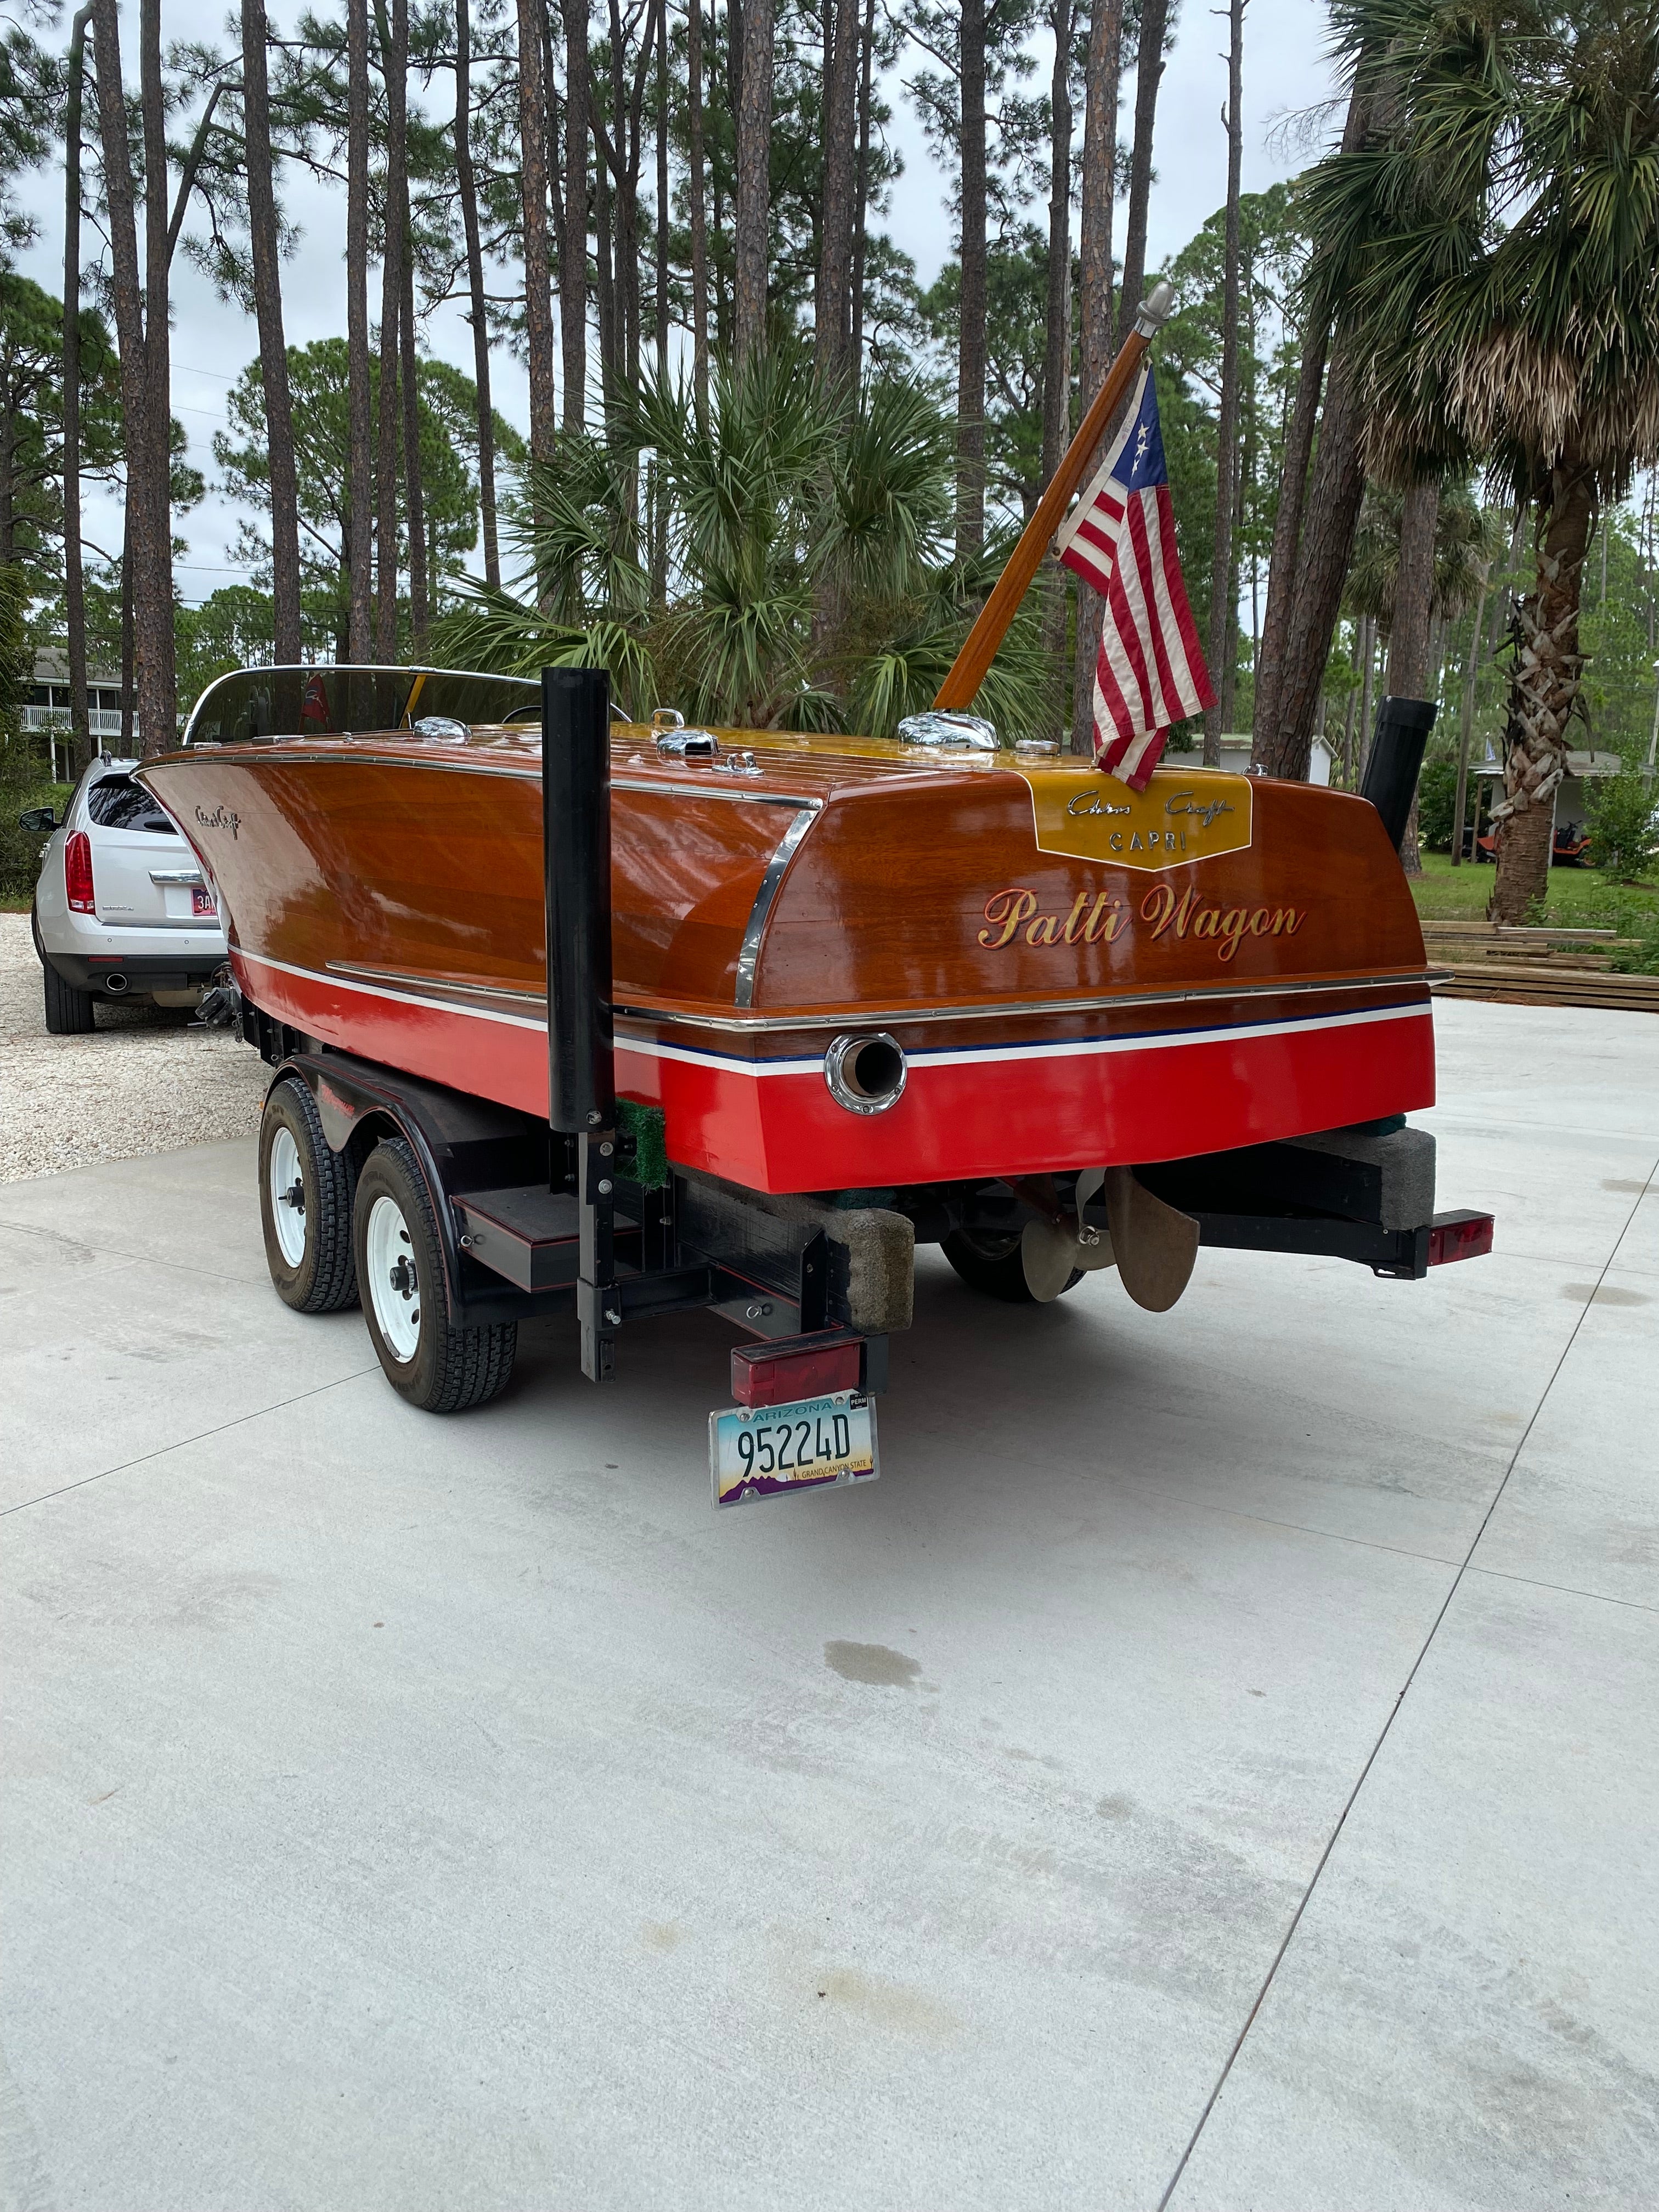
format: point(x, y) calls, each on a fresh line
point(838, 1018)
point(888, 1016)
point(749, 955)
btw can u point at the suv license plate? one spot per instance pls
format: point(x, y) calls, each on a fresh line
point(769, 1451)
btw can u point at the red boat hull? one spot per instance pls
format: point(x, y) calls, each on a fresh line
point(968, 1111)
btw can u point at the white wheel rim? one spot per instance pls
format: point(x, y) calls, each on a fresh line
point(393, 1286)
point(288, 1196)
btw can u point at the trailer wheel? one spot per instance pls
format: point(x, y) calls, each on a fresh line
point(406, 1300)
point(305, 1204)
point(993, 1267)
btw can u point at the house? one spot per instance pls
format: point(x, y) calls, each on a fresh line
point(46, 701)
point(1573, 793)
point(1235, 757)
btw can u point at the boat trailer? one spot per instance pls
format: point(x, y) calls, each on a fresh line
point(584, 1212)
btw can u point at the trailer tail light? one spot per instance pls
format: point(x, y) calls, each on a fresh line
point(77, 872)
point(1458, 1236)
point(792, 1367)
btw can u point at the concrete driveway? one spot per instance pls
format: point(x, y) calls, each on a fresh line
point(1215, 1766)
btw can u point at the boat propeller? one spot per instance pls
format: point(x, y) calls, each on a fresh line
point(1156, 1244)
point(1053, 1250)
point(1153, 1246)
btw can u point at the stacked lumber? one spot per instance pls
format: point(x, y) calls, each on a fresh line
point(1537, 967)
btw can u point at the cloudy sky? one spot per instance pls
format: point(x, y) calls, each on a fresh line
point(1285, 73)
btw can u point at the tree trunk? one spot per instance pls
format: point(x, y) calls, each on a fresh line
point(1545, 689)
point(263, 246)
point(1284, 559)
point(1332, 506)
point(466, 178)
point(1100, 98)
point(604, 279)
point(1148, 70)
point(147, 547)
point(538, 265)
point(970, 344)
point(627, 147)
point(1411, 647)
point(555, 169)
point(665, 212)
point(624, 173)
point(1226, 680)
point(128, 701)
point(413, 490)
point(1367, 693)
point(394, 59)
point(75, 592)
point(1057, 332)
point(699, 218)
point(754, 179)
point(360, 391)
point(659, 489)
point(152, 604)
point(572, 261)
point(1286, 545)
point(1414, 597)
point(1057, 326)
point(832, 303)
point(1224, 599)
point(861, 196)
point(1466, 721)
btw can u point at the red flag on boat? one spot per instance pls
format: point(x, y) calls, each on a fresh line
point(1120, 538)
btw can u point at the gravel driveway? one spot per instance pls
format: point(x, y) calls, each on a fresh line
point(144, 1081)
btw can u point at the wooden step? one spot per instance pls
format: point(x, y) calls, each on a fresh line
point(1516, 931)
point(1513, 983)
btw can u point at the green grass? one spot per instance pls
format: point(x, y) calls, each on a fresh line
point(1578, 898)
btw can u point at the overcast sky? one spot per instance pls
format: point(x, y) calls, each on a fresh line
point(1285, 72)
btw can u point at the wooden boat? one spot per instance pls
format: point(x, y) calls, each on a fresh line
point(840, 963)
point(630, 1018)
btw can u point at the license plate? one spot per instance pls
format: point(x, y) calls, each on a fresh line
point(767, 1451)
point(201, 902)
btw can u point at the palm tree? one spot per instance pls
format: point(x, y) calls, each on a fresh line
point(1508, 303)
point(776, 489)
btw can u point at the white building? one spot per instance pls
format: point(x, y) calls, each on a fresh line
point(1235, 757)
point(47, 704)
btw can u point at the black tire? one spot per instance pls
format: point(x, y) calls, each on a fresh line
point(323, 1279)
point(448, 1369)
point(68, 1012)
point(992, 1266)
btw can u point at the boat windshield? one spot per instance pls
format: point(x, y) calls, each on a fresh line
point(319, 703)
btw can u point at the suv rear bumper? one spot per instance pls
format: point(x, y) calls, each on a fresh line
point(111, 976)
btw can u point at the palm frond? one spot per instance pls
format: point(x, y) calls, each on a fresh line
point(1490, 249)
point(509, 636)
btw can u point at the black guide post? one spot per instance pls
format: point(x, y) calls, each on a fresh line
point(582, 1058)
point(1395, 761)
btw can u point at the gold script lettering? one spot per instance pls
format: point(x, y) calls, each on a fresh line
point(1006, 910)
point(1157, 907)
point(1074, 923)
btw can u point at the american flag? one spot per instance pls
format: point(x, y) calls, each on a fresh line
point(1120, 538)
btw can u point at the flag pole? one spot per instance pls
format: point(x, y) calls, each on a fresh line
point(967, 673)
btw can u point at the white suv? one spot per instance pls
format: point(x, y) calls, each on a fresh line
point(121, 904)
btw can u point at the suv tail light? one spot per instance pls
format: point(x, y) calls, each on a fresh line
point(77, 872)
